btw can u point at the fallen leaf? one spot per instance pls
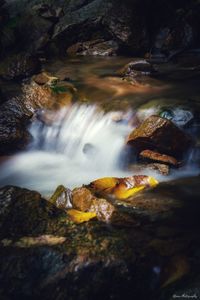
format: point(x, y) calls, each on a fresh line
point(123, 188)
point(79, 216)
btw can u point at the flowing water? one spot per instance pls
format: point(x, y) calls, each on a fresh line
point(83, 142)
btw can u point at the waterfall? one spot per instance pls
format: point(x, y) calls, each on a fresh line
point(72, 147)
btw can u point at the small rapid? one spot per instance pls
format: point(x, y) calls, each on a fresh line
point(71, 147)
point(74, 146)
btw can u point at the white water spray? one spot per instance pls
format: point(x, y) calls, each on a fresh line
point(80, 145)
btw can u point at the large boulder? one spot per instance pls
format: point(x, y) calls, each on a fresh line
point(160, 134)
point(108, 20)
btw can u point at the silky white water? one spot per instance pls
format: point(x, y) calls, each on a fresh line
point(75, 146)
point(80, 145)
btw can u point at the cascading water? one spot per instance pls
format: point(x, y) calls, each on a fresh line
point(80, 144)
point(74, 146)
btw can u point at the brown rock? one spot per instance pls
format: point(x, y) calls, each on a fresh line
point(145, 167)
point(82, 199)
point(160, 168)
point(136, 68)
point(104, 210)
point(93, 48)
point(44, 78)
point(159, 134)
point(155, 156)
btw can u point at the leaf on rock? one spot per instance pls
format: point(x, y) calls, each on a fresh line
point(123, 188)
point(105, 184)
point(79, 217)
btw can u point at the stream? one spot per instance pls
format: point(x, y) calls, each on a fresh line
point(86, 140)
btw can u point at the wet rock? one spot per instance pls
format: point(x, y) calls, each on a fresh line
point(142, 168)
point(174, 201)
point(122, 188)
point(24, 212)
point(105, 20)
point(160, 168)
point(94, 48)
point(48, 256)
point(155, 156)
point(159, 134)
point(82, 199)
point(14, 117)
point(85, 200)
point(62, 197)
point(18, 67)
point(44, 78)
point(46, 96)
point(137, 68)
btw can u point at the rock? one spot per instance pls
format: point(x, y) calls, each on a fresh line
point(84, 200)
point(48, 256)
point(162, 158)
point(161, 168)
point(62, 197)
point(40, 29)
point(94, 48)
point(18, 67)
point(44, 78)
point(105, 20)
point(14, 117)
point(145, 167)
point(159, 134)
point(44, 96)
point(48, 12)
point(137, 68)
point(30, 213)
point(122, 188)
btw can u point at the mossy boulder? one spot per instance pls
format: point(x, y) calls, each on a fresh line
point(44, 254)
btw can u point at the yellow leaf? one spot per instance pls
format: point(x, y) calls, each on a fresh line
point(79, 216)
point(152, 181)
point(123, 188)
point(123, 193)
point(105, 183)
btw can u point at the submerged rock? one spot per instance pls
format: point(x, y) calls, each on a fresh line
point(143, 167)
point(137, 68)
point(159, 134)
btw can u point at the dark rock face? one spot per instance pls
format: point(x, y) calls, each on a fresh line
point(94, 48)
point(160, 135)
point(44, 254)
point(18, 67)
point(135, 26)
point(13, 120)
